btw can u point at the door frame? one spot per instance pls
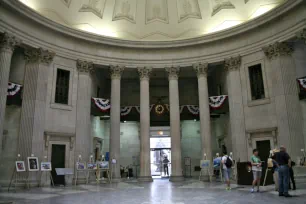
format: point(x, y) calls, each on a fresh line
point(254, 140)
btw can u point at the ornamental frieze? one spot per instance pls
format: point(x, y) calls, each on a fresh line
point(278, 49)
point(39, 55)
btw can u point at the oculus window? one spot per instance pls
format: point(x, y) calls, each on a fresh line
point(256, 82)
point(62, 86)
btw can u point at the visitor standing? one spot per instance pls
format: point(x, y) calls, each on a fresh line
point(291, 173)
point(227, 163)
point(166, 168)
point(283, 161)
point(257, 170)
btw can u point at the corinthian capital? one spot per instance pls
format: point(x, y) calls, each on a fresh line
point(39, 55)
point(85, 66)
point(232, 63)
point(8, 42)
point(278, 49)
point(116, 71)
point(302, 35)
point(201, 69)
point(173, 72)
point(144, 73)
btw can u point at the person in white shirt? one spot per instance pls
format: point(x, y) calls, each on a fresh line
point(256, 168)
point(227, 163)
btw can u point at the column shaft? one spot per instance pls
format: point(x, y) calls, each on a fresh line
point(7, 45)
point(115, 120)
point(83, 128)
point(145, 170)
point(175, 130)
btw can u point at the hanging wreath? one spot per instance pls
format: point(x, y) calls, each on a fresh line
point(159, 109)
point(13, 89)
point(302, 83)
point(193, 109)
point(102, 104)
point(126, 110)
point(216, 102)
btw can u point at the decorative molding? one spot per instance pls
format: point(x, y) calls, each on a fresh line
point(8, 42)
point(272, 130)
point(278, 49)
point(220, 5)
point(144, 72)
point(302, 35)
point(39, 55)
point(232, 63)
point(173, 72)
point(188, 9)
point(94, 6)
point(48, 136)
point(67, 2)
point(116, 71)
point(84, 66)
point(157, 11)
point(125, 10)
point(201, 69)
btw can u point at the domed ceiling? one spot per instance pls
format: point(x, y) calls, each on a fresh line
point(151, 20)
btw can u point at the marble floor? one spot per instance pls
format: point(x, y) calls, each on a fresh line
point(158, 192)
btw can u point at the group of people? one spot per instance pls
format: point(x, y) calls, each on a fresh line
point(282, 171)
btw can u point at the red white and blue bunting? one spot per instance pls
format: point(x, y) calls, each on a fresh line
point(216, 102)
point(193, 109)
point(13, 89)
point(126, 110)
point(102, 104)
point(302, 83)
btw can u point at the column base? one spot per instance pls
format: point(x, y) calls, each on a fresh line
point(145, 179)
point(116, 180)
point(176, 178)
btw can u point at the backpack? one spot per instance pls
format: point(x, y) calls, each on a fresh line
point(228, 163)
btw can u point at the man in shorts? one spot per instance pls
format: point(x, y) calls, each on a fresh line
point(257, 169)
point(227, 163)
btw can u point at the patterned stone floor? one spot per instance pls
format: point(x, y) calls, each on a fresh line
point(158, 192)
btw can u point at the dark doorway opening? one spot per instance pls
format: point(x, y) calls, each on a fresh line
point(58, 161)
point(264, 148)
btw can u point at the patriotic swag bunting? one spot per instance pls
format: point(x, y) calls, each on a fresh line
point(217, 102)
point(102, 104)
point(138, 109)
point(193, 109)
point(13, 89)
point(302, 83)
point(126, 110)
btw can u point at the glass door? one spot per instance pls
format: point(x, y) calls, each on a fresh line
point(160, 163)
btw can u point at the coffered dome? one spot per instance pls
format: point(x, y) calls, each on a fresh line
point(151, 20)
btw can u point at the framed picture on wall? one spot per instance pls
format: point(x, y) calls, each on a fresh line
point(80, 166)
point(33, 164)
point(20, 166)
point(45, 166)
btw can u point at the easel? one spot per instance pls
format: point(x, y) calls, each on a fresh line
point(205, 169)
point(90, 170)
point(15, 179)
point(234, 167)
point(267, 169)
point(220, 167)
point(48, 174)
point(77, 171)
point(113, 162)
point(303, 160)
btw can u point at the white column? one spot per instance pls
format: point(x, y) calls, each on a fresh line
point(115, 72)
point(238, 134)
point(175, 131)
point(285, 91)
point(145, 170)
point(7, 45)
point(201, 70)
point(83, 125)
point(32, 119)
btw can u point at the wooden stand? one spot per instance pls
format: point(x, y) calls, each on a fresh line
point(15, 179)
point(234, 167)
point(267, 169)
point(79, 171)
point(206, 170)
point(48, 174)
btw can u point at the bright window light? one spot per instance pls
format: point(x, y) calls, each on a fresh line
point(28, 3)
point(225, 25)
point(262, 10)
point(102, 31)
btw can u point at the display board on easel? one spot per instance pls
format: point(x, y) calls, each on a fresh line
point(80, 169)
point(205, 165)
point(187, 162)
point(20, 174)
point(46, 168)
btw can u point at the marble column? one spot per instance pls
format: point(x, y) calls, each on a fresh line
point(145, 169)
point(116, 72)
point(201, 70)
point(33, 110)
point(237, 123)
point(285, 91)
point(7, 45)
point(175, 131)
point(83, 126)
